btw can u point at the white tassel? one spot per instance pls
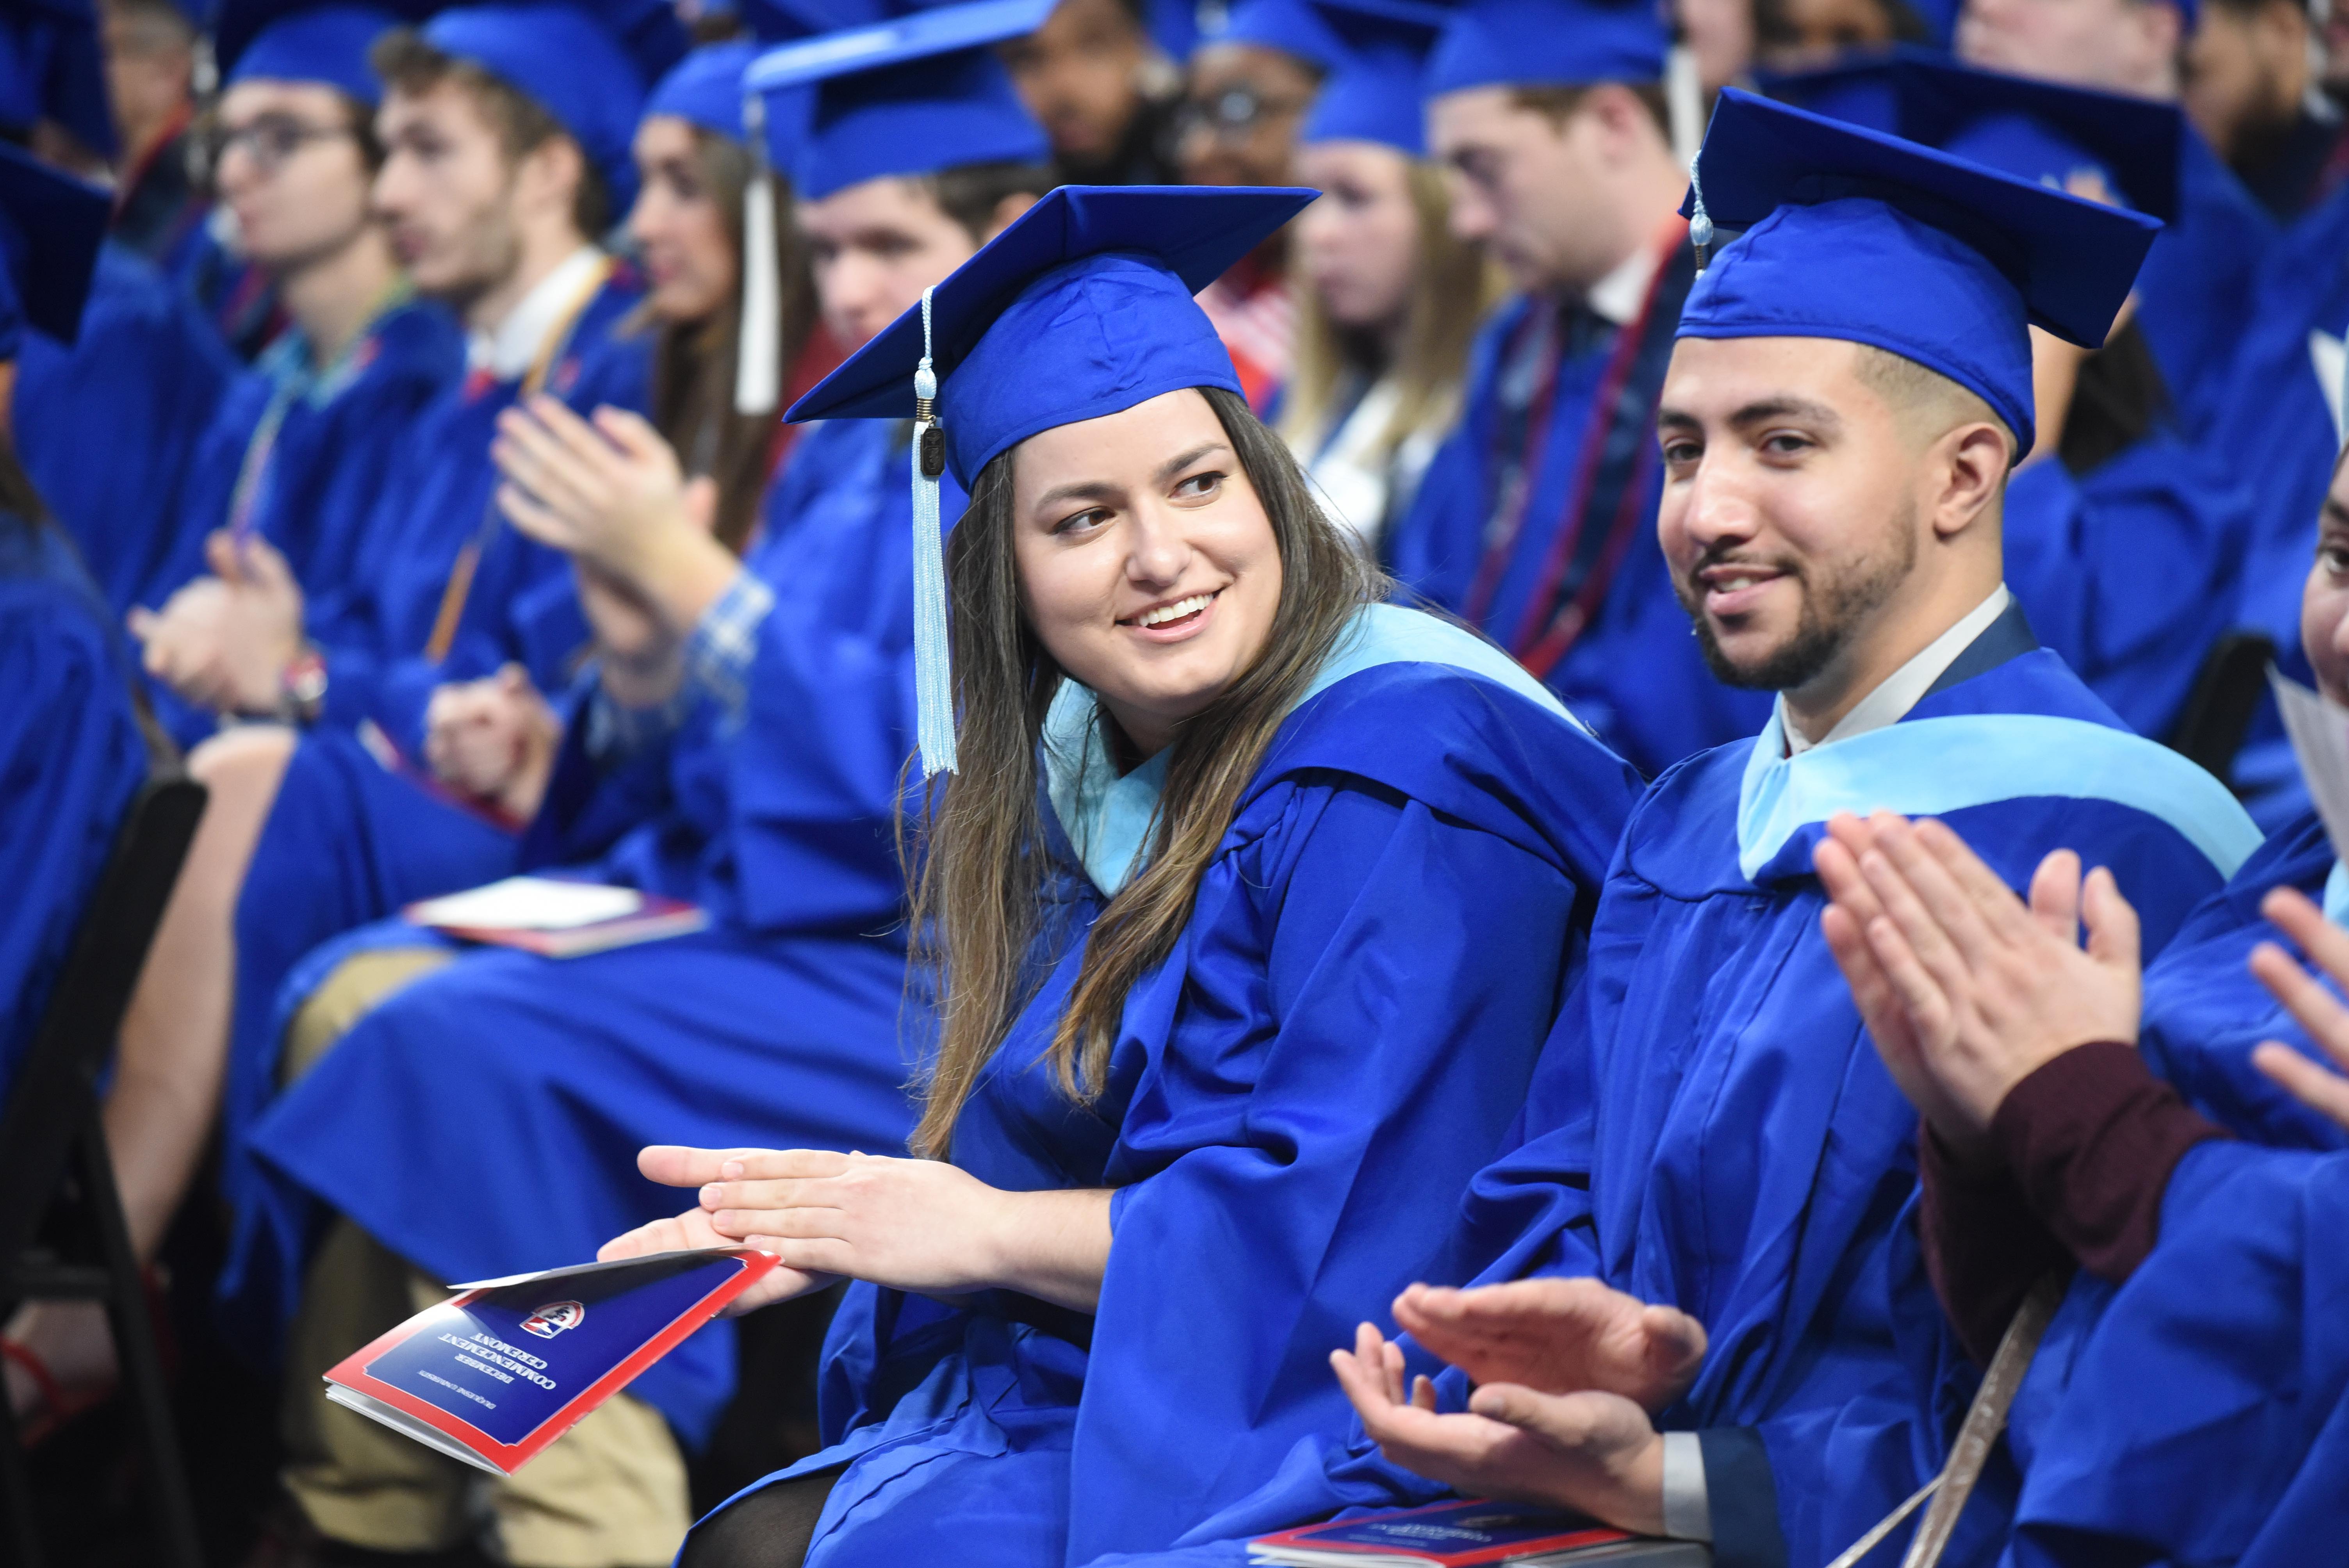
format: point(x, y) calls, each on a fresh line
point(1684, 104)
point(759, 345)
point(1700, 221)
point(933, 676)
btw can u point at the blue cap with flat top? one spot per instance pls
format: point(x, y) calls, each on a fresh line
point(2038, 130)
point(1295, 27)
point(1853, 235)
point(587, 64)
point(1373, 92)
point(1079, 309)
point(1549, 43)
point(51, 226)
point(275, 40)
point(913, 95)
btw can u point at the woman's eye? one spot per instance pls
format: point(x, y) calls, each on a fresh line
point(1077, 521)
point(2334, 558)
point(1200, 485)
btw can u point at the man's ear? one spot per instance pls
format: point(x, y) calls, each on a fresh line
point(1972, 466)
point(1007, 213)
point(549, 175)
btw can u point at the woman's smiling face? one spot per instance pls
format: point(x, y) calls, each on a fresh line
point(1147, 565)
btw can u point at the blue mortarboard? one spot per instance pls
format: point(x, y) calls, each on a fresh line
point(706, 89)
point(1295, 27)
point(51, 225)
point(588, 65)
point(913, 95)
point(1079, 309)
point(1373, 93)
point(1547, 43)
point(277, 40)
point(1854, 234)
point(2034, 129)
point(53, 67)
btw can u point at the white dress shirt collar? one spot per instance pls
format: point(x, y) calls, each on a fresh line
point(509, 350)
point(1906, 687)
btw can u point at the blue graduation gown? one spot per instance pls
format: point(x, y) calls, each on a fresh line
point(1634, 673)
point(2197, 287)
point(2280, 432)
point(2130, 572)
point(1715, 1131)
point(2205, 1012)
point(782, 1027)
point(312, 487)
point(71, 757)
point(2199, 1413)
point(1340, 1036)
point(109, 427)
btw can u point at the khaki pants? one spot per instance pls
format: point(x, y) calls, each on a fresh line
point(609, 1494)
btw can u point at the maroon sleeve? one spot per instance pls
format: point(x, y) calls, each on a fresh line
point(1984, 1247)
point(2092, 1138)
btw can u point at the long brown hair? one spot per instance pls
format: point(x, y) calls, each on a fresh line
point(979, 896)
point(694, 362)
point(1452, 286)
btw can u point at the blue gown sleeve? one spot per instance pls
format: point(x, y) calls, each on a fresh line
point(1356, 1037)
point(2206, 1415)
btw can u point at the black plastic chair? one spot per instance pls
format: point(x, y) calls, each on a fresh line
point(2227, 694)
point(62, 1233)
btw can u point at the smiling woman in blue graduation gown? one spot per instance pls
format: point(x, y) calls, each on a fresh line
point(1110, 1309)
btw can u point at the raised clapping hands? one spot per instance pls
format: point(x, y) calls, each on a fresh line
point(1966, 989)
point(1568, 1375)
point(224, 642)
point(2318, 1010)
point(494, 739)
point(918, 1225)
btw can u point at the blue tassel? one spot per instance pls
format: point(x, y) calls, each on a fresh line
point(933, 673)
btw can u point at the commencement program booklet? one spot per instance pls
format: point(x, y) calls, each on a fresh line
point(1472, 1533)
point(507, 1366)
point(557, 918)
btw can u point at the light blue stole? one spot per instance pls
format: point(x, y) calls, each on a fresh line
point(1926, 766)
point(1108, 819)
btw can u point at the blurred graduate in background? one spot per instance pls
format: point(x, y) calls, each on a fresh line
point(1536, 520)
point(294, 467)
point(1388, 296)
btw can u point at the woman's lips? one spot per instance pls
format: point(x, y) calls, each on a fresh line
point(1174, 620)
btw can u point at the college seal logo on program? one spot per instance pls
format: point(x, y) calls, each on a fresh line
point(555, 1317)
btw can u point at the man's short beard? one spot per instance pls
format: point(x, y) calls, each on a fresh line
point(1832, 613)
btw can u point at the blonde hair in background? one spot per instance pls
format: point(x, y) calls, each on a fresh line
point(1453, 287)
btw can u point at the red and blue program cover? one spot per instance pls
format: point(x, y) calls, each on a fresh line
point(499, 1371)
point(1461, 1534)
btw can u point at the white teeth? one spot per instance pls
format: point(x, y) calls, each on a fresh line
point(1175, 612)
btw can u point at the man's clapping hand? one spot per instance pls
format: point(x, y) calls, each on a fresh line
point(224, 642)
point(1558, 1336)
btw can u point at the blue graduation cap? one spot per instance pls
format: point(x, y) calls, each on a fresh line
point(301, 41)
point(587, 64)
point(51, 226)
point(1373, 93)
point(1853, 235)
point(913, 94)
point(706, 89)
point(53, 67)
point(1080, 308)
point(1549, 43)
point(1295, 27)
point(2037, 131)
